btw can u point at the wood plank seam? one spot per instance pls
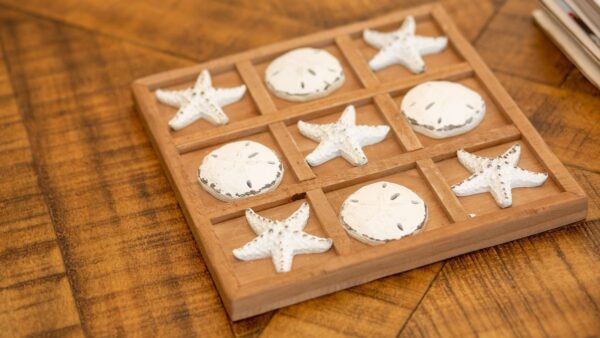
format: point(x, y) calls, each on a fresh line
point(48, 205)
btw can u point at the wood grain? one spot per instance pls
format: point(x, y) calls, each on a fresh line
point(123, 238)
point(541, 80)
point(35, 289)
point(505, 281)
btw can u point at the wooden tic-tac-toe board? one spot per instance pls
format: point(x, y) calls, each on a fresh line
point(427, 166)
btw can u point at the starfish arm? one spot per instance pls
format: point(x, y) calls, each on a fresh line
point(203, 82)
point(283, 256)
point(408, 26)
point(527, 179)
point(174, 98)
point(348, 117)
point(255, 249)
point(225, 96)
point(472, 162)
point(383, 59)
point(185, 116)
point(372, 134)
point(377, 39)
point(324, 152)
point(409, 56)
point(512, 155)
point(298, 220)
point(215, 114)
point(315, 132)
point(352, 151)
point(258, 223)
point(501, 191)
point(305, 243)
point(429, 45)
point(474, 184)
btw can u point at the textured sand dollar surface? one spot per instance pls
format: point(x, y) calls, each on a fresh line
point(441, 109)
point(304, 74)
point(381, 212)
point(239, 170)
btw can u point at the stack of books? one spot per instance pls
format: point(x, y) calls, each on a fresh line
point(574, 26)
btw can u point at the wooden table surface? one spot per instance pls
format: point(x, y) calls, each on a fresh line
point(92, 241)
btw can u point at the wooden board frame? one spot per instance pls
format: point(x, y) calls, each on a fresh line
point(246, 292)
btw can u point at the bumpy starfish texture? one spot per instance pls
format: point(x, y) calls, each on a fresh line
point(402, 47)
point(342, 138)
point(200, 101)
point(496, 175)
point(281, 239)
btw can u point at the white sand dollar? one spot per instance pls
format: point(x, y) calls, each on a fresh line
point(381, 212)
point(239, 170)
point(441, 109)
point(304, 74)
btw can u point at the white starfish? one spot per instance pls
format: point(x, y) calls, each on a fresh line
point(281, 239)
point(342, 138)
point(497, 175)
point(200, 101)
point(402, 47)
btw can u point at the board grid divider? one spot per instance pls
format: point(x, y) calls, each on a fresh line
point(244, 299)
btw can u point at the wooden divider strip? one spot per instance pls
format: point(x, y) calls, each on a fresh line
point(438, 183)
point(282, 136)
point(290, 150)
point(329, 221)
point(255, 86)
point(400, 126)
point(357, 61)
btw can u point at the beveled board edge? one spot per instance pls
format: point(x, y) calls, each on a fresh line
point(416, 251)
